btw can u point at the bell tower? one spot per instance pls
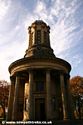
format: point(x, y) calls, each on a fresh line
point(39, 41)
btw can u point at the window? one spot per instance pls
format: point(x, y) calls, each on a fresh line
point(39, 86)
point(45, 36)
point(31, 37)
point(39, 36)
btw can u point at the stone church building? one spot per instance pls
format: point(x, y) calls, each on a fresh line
point(39, 81)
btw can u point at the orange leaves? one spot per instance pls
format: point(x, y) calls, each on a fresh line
point(4, 92)
point(76, 84)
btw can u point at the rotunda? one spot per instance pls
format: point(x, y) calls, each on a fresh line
point(46, 77)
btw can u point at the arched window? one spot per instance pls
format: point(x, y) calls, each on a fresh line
point(31, 37)
point(39, 36)
point(45, 36)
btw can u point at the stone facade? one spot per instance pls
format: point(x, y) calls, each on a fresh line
point(39, 81)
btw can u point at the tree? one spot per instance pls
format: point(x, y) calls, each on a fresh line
point(76, 84)
point(4, 93)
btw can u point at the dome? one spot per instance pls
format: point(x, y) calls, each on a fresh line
point(39, 22)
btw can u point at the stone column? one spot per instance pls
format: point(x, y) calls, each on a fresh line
point(31, 113)
point(64, 100)
point(18, 104)
point(11, 98)
point(69, 99)
point(48, 94)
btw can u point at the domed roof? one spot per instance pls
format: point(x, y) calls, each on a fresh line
point(39, 22)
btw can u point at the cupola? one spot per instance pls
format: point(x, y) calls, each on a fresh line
point(39, 41)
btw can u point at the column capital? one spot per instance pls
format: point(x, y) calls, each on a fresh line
point(12, 78)
point(48, 70)
point(30, 70)
point(61, 72)
point(21, 75)
point(67, 75)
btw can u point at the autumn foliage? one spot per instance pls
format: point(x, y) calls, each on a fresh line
point(4, 93)
point(76, 84)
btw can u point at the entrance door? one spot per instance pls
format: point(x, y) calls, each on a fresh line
point(40, 113)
